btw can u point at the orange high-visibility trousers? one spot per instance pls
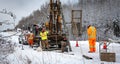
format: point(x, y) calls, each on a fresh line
point(30, 41)
point(92, 45)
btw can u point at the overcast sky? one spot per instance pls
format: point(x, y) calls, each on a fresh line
point(22, 8)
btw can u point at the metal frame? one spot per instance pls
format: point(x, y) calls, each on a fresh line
point(74, 24)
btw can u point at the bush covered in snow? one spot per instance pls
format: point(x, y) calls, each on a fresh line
point(6, 47)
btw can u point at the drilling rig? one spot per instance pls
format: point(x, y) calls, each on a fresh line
point(57, 26)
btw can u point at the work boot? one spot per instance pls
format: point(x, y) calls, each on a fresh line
point(46, 48)
point(90, 52)
point(32, 46)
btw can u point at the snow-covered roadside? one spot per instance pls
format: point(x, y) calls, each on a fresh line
point(6, 47)
point(30, 56)
point(45, 57)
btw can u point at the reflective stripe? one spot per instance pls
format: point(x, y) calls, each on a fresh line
point(92, 46)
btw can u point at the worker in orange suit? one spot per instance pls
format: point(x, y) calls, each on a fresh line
point(30, 38)
point(91, 31)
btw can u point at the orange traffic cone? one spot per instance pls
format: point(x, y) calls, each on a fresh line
point(77, 44)
point(104, 46)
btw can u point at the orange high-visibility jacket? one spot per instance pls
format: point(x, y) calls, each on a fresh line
point(30, 36)
point(91, 32)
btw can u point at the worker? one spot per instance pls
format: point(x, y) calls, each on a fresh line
point(30, 38)
point(44, 38)
point(91, 30)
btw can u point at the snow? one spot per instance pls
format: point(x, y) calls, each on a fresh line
point(31, 56)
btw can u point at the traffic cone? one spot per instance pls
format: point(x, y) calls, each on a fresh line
point(104, 46)
point(77, 44)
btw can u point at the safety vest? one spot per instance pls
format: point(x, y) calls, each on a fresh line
point(44, 35)
point(91, 32)
point(31, 36)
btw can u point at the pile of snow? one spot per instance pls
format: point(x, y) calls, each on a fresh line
point(6, 48)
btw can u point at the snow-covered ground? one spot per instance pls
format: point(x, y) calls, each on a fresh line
point(30, 56)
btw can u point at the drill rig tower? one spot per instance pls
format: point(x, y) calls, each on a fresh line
point(57, 26)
